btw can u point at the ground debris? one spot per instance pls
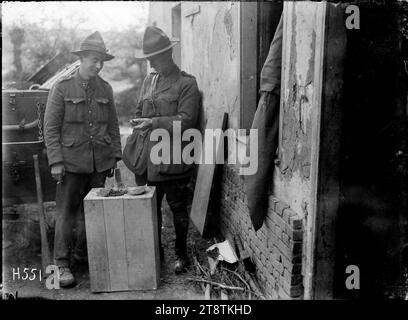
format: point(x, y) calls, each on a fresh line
point(227, 281)
point(222, 286)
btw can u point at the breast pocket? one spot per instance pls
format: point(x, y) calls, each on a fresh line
point(149, 109)
point(168, 104)
point(74, 109)
point(103, 109)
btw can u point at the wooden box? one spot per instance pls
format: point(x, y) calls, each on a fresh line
point(122, 240)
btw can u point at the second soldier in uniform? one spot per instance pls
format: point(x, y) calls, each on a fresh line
point(168, 95)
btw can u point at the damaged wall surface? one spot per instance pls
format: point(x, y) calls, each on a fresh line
point(283, 249)
point(299, 121)
point(209, 51)
point(292, 181)
point(160, 15)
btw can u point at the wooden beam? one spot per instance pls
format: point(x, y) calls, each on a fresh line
point(248, 62)
point(328, 189)
point(206, 172)
point(311, 225)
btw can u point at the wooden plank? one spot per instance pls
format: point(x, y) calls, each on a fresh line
point(141, 236)
point(318, 196)
point(328, 189)
point(319, 51)
point(204, 179)
point(96, 242)
point(115, 238)
point(153, 202)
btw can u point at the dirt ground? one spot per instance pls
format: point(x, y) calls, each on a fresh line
point(171, 286)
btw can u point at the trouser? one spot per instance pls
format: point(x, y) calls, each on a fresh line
point(176, 193)
point(70, 214)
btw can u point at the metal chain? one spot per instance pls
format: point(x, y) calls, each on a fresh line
point(40, 131)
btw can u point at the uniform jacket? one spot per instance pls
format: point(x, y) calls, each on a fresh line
point(266, 121)
point(81, 126)
point(175, 97)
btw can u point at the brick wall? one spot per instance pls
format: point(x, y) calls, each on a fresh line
point(276, 248)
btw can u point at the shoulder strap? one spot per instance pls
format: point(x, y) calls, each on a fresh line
point(185, 74)
point(102, 79)
point(66, 78)
point(153, 85)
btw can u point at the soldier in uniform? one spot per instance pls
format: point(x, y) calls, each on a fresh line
point(83, 145)
point(168, 95)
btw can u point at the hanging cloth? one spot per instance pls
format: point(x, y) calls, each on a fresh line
point(266, 121)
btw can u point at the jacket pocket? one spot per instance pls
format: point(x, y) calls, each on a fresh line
point(73, 141)
point(170, 97)
point(107, 139)
point(103, 109)
point(149, 109)
point(168, 104)
point(74, 109)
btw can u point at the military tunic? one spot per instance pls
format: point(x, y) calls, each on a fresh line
point(82, 133)
point(175, 98)
point(80, 125)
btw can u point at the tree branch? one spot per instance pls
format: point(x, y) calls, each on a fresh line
point(217, 284)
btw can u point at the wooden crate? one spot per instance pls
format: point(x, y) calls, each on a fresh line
point(122, 240)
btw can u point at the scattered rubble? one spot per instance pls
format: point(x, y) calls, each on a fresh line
point(224, 276)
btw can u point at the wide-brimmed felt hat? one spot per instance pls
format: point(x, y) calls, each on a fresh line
point(155, 41)
point(94, 42)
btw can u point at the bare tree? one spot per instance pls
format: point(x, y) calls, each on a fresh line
point(17, 36)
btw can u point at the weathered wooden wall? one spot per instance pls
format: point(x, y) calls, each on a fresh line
point(303, 38)
point(306, 177)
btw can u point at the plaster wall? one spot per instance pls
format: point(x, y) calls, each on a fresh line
point(292, 178)
point(210, 51)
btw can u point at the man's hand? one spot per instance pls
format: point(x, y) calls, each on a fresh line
point(110, 172)
point(58, 172)
point(265, 95)
point(141, 123)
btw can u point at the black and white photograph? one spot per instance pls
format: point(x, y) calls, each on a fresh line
point(251, 151)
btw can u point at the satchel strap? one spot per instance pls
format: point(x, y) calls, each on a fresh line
point(151, 92)
point(153, 85)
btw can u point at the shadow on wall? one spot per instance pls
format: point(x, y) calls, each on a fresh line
point(372, 216)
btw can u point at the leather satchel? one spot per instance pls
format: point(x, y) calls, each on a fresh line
point(136, 149)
